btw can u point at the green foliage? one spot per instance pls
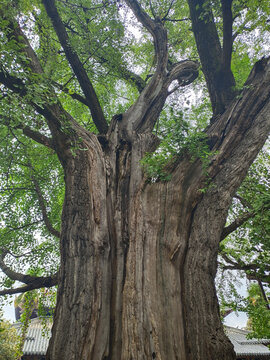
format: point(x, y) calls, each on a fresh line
point(9, 341)
point(35, 303)
point(21, 221)
point(228, 285)
point(178, 138)
point(258, 311)
point(251, 243)
point(248, 248)
point(110, 44)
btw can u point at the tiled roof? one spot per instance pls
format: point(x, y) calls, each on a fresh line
point(247, 347)
point(37, 338)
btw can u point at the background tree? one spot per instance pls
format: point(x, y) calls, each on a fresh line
point(246, 250)
point(258, 311)
point(140, 230)
point(9, 341)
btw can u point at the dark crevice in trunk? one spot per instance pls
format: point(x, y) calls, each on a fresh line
point(119, 203)
point(182, 279)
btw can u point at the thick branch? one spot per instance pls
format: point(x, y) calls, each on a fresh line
point(19, 86)
point(132, 78)
point(227, 33)
point(26, 279)
point(220, 80)
point(252, 270)
point(241, 131)
point(156, 29)
point(259, 277)
point(146, 110)
point(142, 16)
point(236, 224)
point(32, 59)
point(77, 66)
point(39, 283)
point(236, 266)
point(32, 134)
point(36, 136)
point(144, 113)
point(185, 72)
point(32, 282)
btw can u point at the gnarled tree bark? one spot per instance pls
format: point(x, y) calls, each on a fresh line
point(138, 259)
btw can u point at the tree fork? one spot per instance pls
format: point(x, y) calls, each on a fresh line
point(129, 271)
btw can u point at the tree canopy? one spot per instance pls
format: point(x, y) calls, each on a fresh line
point(68, 65)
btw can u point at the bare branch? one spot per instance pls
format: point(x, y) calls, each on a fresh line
point(42, 205)
point(267, 304)
point(169, 9)
point(185, 72)
point(262, 277)
point(37, 136)
point(243, 201)
point(32, 282)
point(177, 20)
point(40, 283)
point(236, 224)
point(32, 134)
point(77, 66)
point(250, 269)
point(156, 29)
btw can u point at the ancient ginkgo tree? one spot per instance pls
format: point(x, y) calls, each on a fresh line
point(85, 103)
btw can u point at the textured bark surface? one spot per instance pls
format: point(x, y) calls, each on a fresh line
point(139, 259)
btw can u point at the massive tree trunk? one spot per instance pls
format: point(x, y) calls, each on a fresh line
point(138, 259)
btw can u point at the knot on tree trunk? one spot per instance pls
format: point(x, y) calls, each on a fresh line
point(185, 72)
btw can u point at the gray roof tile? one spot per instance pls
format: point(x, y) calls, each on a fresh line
point(36, 342)
point(37, 338)
point(247, 347)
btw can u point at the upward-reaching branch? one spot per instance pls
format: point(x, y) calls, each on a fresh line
point(236, 224)
point(77, 66)
point(146, 110)
point(156, 29)
point(220, 80)
point(227, 33)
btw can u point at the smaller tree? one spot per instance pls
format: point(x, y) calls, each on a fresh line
point(245, 250)
point(258, 310)
point(9, 341)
